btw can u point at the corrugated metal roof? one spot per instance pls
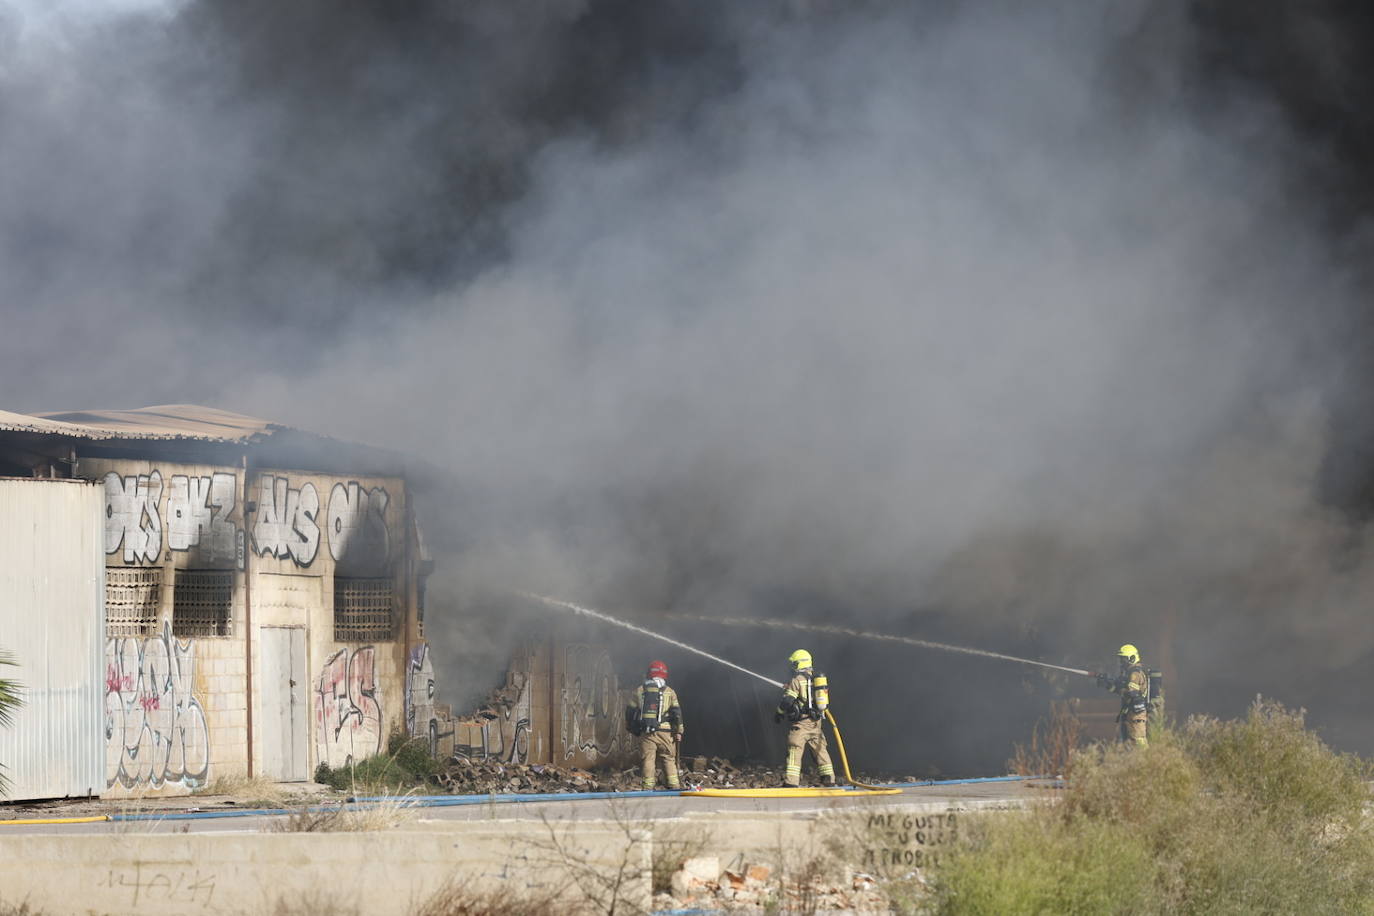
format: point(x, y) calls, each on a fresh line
point(168, 421)
point(188, 426)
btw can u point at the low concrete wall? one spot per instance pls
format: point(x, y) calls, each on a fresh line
point(587, 865)
point(323, 873)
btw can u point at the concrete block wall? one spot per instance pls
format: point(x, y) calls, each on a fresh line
point(177, 709)
point(562, 703)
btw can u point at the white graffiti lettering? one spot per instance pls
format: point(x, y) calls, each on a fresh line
point(348, 708)
point(424, 718)
point(131, 516)
point(286, 524)
point(155, 728)
point(198, 514)
point(356, 520)
point(590, 689)
point(501, 732)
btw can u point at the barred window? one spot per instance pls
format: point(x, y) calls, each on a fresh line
point(132, 596)
point(203, 602)
point(362, 609)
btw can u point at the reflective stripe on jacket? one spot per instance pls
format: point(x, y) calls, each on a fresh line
point(799, 690)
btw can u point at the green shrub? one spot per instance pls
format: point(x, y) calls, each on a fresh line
point(1273, 761)
point(1042, 863)
point(1252, 816)
point(406, 764)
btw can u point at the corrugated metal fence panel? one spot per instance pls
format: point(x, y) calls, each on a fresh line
point(52, 619)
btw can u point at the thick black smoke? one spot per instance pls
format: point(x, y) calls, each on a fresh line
point(1041, 328)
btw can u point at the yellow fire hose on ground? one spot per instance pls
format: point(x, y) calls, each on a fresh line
point(844, 759)
point(860, 788)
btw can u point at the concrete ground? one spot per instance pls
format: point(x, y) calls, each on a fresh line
point(966, 796)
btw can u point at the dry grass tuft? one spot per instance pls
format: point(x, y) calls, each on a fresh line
point(18, 909)
point(383, 815)
point(1052, 746)
point(255, 791)
point(453, 899)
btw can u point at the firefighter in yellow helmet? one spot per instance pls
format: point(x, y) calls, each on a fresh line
point(1133, 684)
point(655, 715)
point(803, 705)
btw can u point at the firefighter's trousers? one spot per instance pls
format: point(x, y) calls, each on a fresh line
point(1133, 728)
point(804, 734)
point(659, 744)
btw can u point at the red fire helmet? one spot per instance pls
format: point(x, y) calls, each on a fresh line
point(658, 669)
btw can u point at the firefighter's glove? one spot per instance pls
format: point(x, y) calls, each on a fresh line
point(1104, 682)
point(777, 718)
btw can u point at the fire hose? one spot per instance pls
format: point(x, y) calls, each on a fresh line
point(860, 788)
point(844, 760)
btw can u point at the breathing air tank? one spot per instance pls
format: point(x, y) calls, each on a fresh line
point(1156, 691)
point(820, 692)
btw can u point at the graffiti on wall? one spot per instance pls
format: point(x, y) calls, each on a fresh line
point(501, 730)
point(348, 708)
point(424, 718)
point(590, 709)
point(198, 515)
point(131, 516)
point(356, 520)
point(155, 728)
point(286, 524)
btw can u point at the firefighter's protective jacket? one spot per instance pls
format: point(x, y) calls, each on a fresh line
point(799, 694)
point(670, 711)
point(1134, 687)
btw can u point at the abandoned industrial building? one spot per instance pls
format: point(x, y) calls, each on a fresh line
point(262, 608)
point(250, 601)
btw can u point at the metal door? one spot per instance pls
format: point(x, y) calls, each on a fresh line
point(283, 691)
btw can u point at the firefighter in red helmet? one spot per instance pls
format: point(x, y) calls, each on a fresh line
point(655, 715)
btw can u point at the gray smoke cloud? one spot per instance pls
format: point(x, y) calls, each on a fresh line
point(977, 321)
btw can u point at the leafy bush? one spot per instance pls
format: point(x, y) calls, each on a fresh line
point(1033, 863)
point(1252, 816)
point(406, 764)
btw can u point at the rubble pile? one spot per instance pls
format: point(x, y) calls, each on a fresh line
point(466, 776)
point(701, 884)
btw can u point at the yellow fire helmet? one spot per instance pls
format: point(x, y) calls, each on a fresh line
point(1129, 653)
point(800, 659)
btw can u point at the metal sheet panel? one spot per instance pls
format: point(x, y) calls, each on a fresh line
point(52, 619)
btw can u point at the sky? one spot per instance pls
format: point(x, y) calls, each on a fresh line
point(1042, 328)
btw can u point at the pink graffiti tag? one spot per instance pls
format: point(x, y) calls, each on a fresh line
point(348, 711)
point(155, 728)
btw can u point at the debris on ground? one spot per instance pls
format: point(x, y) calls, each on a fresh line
point(464, 776)
point(756, 887)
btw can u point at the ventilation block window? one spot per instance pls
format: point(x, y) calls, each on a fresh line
point(202, 602)
point(132, 596)
point(362, 609)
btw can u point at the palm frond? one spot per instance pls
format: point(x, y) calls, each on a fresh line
point(10, 700)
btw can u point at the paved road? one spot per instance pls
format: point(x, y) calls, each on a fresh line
point(938, 796)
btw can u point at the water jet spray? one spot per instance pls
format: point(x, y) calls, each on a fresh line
point(862, 634)
point(588, 612)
